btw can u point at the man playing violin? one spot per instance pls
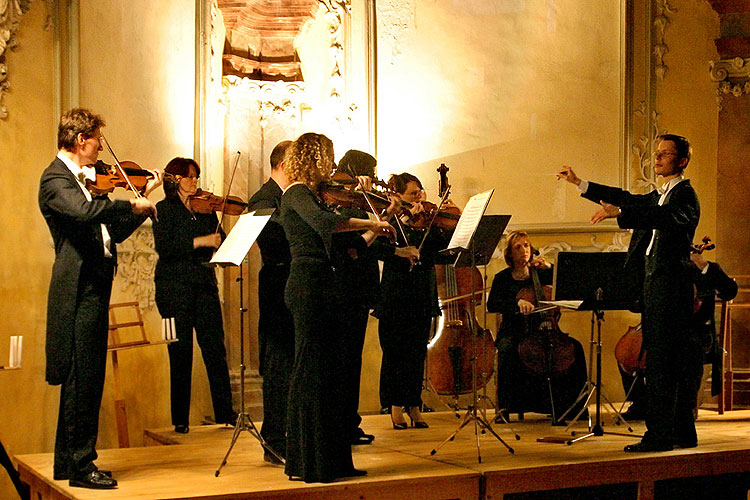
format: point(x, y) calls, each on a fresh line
point(84, 229)
point(664, 222)
point(275, 322)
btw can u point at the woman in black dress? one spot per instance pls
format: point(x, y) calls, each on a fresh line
point(520, 389)
point(318, 449)
point(186, 290)
point(405, 312)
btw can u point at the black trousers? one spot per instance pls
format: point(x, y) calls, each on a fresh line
point(81, 393)
point(199, 309)
point(276, 342)
point(404, 344)
point(354, 327)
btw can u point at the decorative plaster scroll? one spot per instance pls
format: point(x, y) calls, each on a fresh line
point(136, 258)
point(284, 99)
point(660, 48)
point(336, 12)
point(11, 12)
point(646, 177)
point(736, 69)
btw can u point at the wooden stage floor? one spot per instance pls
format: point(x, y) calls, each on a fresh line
point(400, 464)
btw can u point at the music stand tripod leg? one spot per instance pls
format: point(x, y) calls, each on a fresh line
point(244, 422)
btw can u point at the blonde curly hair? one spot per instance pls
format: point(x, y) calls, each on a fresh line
point(309, 159)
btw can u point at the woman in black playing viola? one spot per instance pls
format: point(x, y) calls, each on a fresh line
point(520, 387)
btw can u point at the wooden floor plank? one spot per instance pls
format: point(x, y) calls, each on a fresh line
point(400, 464)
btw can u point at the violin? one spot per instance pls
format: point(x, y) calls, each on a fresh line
point(204, 202)
point(445, 219)
point(340, 192)
point(108, 177)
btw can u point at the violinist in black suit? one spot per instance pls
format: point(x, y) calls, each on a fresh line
point(275, 323)
point(664, 222)
point(84, 229)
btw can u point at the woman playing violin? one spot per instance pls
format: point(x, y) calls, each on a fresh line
point(518, 388)
point(186, 290)
point(407, 306)
point(318, 448)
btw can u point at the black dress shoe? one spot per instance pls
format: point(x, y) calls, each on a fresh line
point(94, 480)
point(362, 439)
point(60, 476)
point(354, 473)
point(182, 429)
point(645, 446)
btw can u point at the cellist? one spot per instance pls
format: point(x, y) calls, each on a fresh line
point(518, 388)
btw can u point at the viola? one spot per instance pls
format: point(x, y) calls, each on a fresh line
point(204, 202)
point(445, 219)
point(108, 177)
point(341, 195)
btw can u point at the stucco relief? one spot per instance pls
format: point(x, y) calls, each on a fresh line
point(11, 12)
point(660, 48)
point(136, 258)
point(645, 178)
point(396, 19)
point(732, 77)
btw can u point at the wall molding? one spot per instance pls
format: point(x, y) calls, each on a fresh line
point(11, 12)
point(732, 76)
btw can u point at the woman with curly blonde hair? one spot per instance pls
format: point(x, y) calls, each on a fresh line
point(318, 449)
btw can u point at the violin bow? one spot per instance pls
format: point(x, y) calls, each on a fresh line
point(367, 196)
point(229, 188)
point(119, 166)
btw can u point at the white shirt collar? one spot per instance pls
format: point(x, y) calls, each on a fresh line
point(80, 173)
point(666, 188)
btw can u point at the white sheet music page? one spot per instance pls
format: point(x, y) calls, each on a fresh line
point(240, 239)
point(469, 220)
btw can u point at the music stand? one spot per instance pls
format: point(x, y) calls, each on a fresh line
point(232, 253)
point(479, 246)
point(596, 279)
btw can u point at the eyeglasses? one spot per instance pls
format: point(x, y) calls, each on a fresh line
point(660, 154)
point(191, 177)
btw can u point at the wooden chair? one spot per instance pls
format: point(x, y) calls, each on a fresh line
point(731, 373)
point(118, 343)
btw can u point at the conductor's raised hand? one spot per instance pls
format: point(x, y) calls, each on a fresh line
point(567, 174)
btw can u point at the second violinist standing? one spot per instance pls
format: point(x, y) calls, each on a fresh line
point(186, 290)
point(408, 304)
point(659, 257)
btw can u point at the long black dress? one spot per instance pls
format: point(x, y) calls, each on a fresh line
point(408, 303)
point(518, 388)
point(317, 448)
point(186, 291)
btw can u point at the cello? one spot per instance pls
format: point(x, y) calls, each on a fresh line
point(459, 341)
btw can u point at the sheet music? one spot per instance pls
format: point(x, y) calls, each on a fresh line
point(568, 304)
point(240, 239)
point(469, 220)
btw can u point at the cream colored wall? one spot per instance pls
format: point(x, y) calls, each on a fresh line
point(28, 406)
point(137, 70)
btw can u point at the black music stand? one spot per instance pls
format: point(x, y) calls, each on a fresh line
point(483, 241)
point(237, 248)
point(597, 279)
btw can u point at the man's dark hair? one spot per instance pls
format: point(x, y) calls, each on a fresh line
point(684, 150)
point(277, 155)
point(398, 182)
point(355, 162)
point(74, 122)
point(177, 166)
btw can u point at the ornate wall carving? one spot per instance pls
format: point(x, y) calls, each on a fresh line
point(660, 47)
point(136, 258)
point(11, 12)
point(732, 77)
